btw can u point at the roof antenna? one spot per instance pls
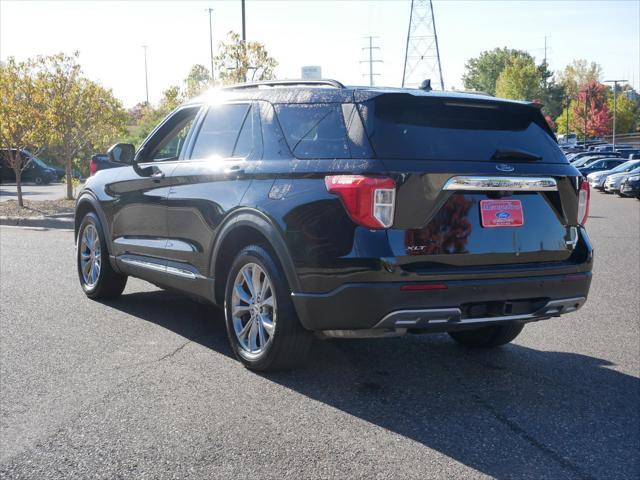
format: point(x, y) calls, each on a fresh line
point(426, 85)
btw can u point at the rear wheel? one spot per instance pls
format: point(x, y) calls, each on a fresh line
point(97, 277)
point(488, 337)
point(262, 325)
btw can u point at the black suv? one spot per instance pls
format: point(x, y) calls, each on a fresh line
point(307, 208)
point(37, 171)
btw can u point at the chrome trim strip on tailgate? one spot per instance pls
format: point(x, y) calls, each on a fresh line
point(515, 184)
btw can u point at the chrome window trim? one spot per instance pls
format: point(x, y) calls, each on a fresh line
point(496, 182)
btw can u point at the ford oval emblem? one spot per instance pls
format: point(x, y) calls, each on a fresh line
point(503, 215)
point(505, 167)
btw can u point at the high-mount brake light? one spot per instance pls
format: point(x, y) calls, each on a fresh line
point(584, 196)
point(369, 201)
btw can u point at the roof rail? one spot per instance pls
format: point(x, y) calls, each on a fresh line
point(285, 83)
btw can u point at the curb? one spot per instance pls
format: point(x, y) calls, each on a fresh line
point(42, 222)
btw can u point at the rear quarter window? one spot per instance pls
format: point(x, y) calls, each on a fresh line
point(314, 130)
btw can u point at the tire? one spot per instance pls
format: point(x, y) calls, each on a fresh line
point(488, 337)
point(38, 180)
point(263, 328)
point(101, 282)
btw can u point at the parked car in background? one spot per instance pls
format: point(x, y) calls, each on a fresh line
point(601, 164)
point(613, 182)
point(597, 179)
point(582, 159)
point(628, 152)
point(311, 207)
point(37, 171)
point(101, 161)
point(630, 187)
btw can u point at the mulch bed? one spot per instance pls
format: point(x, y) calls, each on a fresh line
point(36, 208)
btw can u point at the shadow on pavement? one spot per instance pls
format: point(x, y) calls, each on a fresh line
point(512, 412)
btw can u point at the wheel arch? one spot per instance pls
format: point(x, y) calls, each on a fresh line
point(245, 227)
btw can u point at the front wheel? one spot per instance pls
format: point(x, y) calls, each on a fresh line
point(262, 325)
point(38, 180)
point(97, 277)
point(488, 337)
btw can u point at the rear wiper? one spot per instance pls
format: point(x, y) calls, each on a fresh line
point(503, 154)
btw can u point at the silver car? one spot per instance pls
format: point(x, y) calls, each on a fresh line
point(613, 182)
point(597, 179)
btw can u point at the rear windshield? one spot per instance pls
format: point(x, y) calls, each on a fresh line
point(403, 126)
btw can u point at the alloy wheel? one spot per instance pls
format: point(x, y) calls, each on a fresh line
point(253, 309)
point(90, 255)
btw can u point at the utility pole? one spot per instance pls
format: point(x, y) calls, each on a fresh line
point(422, 54)
point(244, 35)
point(210, 10)
point(371, 60)
point(615, 107)
point(146, 77)
point(244, 30)
point(568, 113)
point(545, 62)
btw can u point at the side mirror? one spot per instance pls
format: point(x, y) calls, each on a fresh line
point(122, 153)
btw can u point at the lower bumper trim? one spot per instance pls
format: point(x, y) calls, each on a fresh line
point(427, 318)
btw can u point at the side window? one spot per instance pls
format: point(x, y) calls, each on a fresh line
point(219, 131)
point(168, 141)
point(314, 130)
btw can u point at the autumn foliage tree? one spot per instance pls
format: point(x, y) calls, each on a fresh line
point(22, 115)
point(82, 115)
point(589, 114)
point(240, 61)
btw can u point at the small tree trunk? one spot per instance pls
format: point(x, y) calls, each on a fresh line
point(19, 186)
point(69, 177)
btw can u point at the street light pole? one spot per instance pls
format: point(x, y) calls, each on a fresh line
point(210, 10)
point(146, 77)
point(615, 107)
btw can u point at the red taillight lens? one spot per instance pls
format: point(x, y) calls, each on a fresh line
point(584, 195)
point(93, 167)
point(369, 201)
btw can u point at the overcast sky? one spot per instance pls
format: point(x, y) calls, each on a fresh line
point(110, 35)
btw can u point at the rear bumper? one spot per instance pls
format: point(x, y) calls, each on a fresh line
point(457, 304)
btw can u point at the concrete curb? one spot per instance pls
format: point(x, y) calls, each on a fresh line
point(59, 221)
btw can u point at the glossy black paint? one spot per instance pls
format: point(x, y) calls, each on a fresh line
point(188, 217)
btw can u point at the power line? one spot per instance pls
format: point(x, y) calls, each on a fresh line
point(371, 60)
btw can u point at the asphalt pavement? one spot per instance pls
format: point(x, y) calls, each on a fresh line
point(145, 386)
point(31, 191)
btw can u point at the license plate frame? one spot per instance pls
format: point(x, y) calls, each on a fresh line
point(501, 213)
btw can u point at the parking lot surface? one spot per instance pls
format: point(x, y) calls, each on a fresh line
point(30, 191)
point(145, 386)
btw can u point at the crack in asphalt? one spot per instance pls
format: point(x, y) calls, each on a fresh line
point(99, 399)
point(520, 431)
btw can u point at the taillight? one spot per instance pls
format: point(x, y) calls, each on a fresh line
point(93, 167)
point(584, 195)
point(369, 201)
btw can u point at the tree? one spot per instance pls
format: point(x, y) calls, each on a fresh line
point(197, 81)
point(482, 73)
point(82, 115)
point(520, 80)
point(589, 114)
point(241, 61)
point(627, 112)
point(578, 74)
point(22, 121)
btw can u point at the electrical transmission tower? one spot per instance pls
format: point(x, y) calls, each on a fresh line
point(371, 61)
point(422, 56)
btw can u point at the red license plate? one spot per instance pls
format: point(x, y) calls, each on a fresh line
point(501, 213)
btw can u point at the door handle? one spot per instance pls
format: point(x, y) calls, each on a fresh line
point(234, 170)
point(157, 176)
